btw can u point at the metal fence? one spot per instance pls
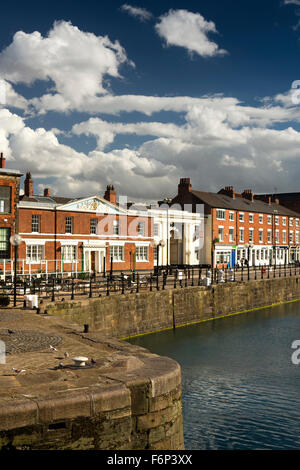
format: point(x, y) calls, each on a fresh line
point(41, 289)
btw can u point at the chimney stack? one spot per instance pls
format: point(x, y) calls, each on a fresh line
point(2, 160)
point(110, 194)
point(184, 186)
point(277, 201)
point(47, 192)
point(248, 194)
point(28, 185)
point(228, 191)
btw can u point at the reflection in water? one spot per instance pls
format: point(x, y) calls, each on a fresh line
point(240, 388)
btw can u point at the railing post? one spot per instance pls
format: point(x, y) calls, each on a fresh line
point(24, 303)
point(122, 279)
point(242, 275)
point(53, 291)
point(157, 282)
point(72, 294)
point(150, 282)
point(137, 282)
point(107, 285)
point(186, 279)
point(255, 273)
point(199, 277)
point(90, 293)
point(192, 277)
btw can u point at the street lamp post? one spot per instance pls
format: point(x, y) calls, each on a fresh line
point(15, 240)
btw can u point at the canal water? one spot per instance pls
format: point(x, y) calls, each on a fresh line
point(240, 387)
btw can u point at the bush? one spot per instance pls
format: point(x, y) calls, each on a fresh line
point(4, 300)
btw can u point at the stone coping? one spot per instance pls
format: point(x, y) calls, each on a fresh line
point(46, 392)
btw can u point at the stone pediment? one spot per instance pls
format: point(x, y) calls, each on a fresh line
point(93, 204)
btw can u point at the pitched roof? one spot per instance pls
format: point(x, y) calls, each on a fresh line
point(223, 201)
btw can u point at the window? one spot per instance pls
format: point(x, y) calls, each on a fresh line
point(276, 236)
point(117, 253)
point(69, 225)
point(196, 232)
point(141, 253)
point(251, 218)
point(291, 220)
point(276, 220)
point(116, 227)
point(231, 234)
point(269, 219)
point(241, 235)
point(283, 220)
point(266, 254)
point(297, 236)
point(257, 255)
point(261, 235)
point(141, 228)
point(220, 214)
point(297, 222)
point(251, 235)
point(68, 252)
point(269, 236)
point(291, 236)
point(156, 230)
point(93, 226)
point(35, 253)
point(35, 223)
point(231, 216)
point(4, 243)
point(220, 234)
point(283, 236)
point(261, 254)
point(5, 199)
point(241, 216)
point(261, 218)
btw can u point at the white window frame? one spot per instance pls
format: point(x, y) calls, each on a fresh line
point(221, 239)
point(261, 235)
point(251, 231)
point(68, 253)
point(222, 215)
point(251, 218)
point(269, 236)
point(261, 218)
point(241, 231)
point(117, 253)
point(141, 253)
point(231, 216)
point(35, 253)
point(231, 235)
point(269, 220)
point(241, 217)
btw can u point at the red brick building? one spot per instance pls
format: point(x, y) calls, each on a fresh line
point(242, 229)
point(9, 198)
point(90, 234)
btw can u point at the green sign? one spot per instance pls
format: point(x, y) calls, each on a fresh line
point(234, 247)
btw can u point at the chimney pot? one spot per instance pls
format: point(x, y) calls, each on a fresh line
point(46, 192)
point(2, 160)
point(184, 185)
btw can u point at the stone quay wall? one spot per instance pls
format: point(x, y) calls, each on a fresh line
point(123, 316)
point(139, 408)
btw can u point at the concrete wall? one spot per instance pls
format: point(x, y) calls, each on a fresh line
point(127, 315)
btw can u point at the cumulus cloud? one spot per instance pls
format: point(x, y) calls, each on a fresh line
point(189, 30)
point(293, 2)
point(138, 12)
point(75, 61)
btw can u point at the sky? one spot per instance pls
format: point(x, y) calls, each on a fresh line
point(141, 94)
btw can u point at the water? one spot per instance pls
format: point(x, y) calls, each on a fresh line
point(240, 388)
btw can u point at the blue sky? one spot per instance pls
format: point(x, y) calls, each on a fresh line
point(141, 94)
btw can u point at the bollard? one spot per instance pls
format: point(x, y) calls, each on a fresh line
point(86, 328)
point(72, 293)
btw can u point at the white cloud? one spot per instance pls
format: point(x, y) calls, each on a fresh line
point(75, 61)
point(189, 30)
point(294, 2)
point(140, 13)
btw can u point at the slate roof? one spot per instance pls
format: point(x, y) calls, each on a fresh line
point(222, 201)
